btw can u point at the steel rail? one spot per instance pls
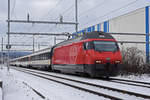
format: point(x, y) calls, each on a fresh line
point(73, 86)
point(100, 86)
point(38, 93)
point(130, 84)
point(130, 81)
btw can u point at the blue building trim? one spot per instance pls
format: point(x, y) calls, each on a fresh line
point(105, 26)
point(108, 25)
point(147, 32)
point(89, 29)
point(83, 31)
point(98, 29)
point(74, 35)
point(93, 28)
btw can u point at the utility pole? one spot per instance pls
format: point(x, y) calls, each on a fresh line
point(76, 14)
point(8, 60)
point(2, 52)
point(38, 46)
point(54, 40)
point(33, 43)
point(61, 22)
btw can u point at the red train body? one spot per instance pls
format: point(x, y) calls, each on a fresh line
point(96, 54)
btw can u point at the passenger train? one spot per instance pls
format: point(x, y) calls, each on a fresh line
point(95, 53)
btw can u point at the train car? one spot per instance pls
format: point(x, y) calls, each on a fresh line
point(20, 61)
point(38, 60)
point(95, 53)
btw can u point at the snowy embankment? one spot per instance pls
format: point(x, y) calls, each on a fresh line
point(142, 78)
point(132, 88)
point(0, 93)
point(19, 86)
point(15, 89)
point(0, 89)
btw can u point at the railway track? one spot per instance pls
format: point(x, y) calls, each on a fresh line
point(76, 84)
point(38, 93)
point(123, 80)
point(130, 83)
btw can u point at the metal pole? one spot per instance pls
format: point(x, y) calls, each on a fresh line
point(26, 33)
point(2, 52)
point(76, 14)
point(42, 22)
point(54, 40)
point(38, 46)
point(8, 60)
point(33, 43)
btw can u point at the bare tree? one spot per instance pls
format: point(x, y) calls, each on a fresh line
point(133, 60)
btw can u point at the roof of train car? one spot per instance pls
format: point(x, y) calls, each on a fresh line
point(35, 53)
point(87, 35)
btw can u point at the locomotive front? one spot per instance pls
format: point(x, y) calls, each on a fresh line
point(102, 57)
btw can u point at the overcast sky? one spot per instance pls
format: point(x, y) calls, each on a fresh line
point(90, 12)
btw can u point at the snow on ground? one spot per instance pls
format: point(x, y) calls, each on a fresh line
point(0, 93)
point(112, 84)
point(0, 90)
point(142, 78)
point(14, 89)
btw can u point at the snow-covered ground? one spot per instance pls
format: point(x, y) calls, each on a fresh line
point(0, 90)
point(0, 93)
point(142, 78)
point(15, 89)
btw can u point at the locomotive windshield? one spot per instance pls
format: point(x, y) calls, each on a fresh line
point(105, 46)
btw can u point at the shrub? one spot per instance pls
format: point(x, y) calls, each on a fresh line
point(133, 61)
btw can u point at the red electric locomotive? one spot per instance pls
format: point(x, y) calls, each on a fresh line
point(95, 53)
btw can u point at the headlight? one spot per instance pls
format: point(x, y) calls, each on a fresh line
point(98, 62)
point(117, 61)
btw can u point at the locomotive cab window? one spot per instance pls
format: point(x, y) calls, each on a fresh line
point(105, 46)
point(88, 45)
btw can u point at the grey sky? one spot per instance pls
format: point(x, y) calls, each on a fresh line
point(90, 12)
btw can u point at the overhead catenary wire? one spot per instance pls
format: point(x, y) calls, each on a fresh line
point(66, 11)
point(13, 13)
point(63, 14)
point(112, 11)
point(72, 6)
point(90, 9)
point(52, 9)
point(13, 9)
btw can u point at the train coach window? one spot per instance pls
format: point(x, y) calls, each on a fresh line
point(45, 56)
point(48, 55)
point(88, 45)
